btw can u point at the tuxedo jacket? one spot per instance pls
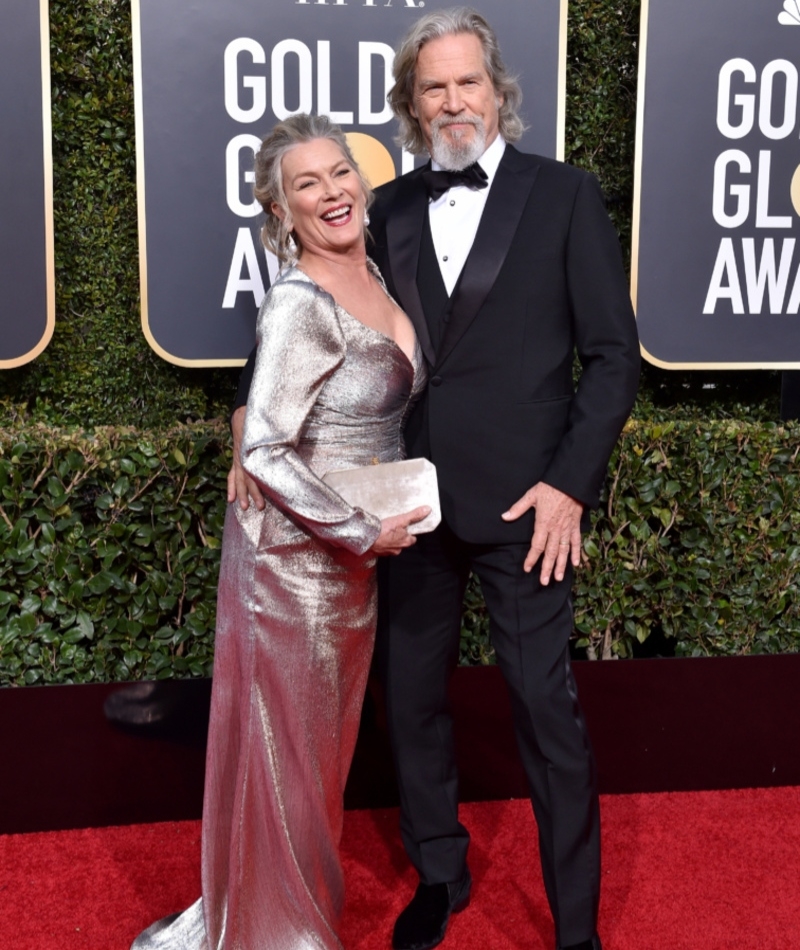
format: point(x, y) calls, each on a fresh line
point(543, 281)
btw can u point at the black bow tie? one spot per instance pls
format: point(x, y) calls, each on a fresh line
point(437, 183)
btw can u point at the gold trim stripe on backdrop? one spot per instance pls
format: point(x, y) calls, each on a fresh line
point(136, 25)
point(561, 105)
point(136, 30)
point(47, 154)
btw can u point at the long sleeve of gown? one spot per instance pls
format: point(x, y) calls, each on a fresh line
point(299, 346)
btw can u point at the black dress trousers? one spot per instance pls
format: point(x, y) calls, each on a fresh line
point(419, 628)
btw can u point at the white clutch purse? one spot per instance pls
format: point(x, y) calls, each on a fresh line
point(391, 488)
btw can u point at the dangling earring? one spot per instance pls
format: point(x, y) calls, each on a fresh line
point(366, 219)
point(289, 245)
point(291, 250)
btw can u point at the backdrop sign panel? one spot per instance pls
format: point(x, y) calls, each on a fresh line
point(716, 256)
point(212, 78)
point(27, 308)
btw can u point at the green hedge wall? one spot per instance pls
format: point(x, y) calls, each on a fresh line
point(110, 544)
point(109, 552)
point(696, 545)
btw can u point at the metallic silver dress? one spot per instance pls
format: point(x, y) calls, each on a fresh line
point(295, 630)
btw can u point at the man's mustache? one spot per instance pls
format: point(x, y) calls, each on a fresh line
point(462, 119)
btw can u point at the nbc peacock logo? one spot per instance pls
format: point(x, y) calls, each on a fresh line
point(790, 15)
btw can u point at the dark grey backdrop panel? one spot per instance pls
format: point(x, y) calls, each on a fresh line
point(25, 278)
point(184, 128)
point(686, 48)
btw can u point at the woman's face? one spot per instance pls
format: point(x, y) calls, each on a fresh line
point(325, 197)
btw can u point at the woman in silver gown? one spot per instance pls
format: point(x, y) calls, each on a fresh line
point(337, 368)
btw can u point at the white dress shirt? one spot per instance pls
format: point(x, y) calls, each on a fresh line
point(456, 214)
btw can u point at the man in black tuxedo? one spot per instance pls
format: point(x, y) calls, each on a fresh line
point(506, 276)
point(507, 268)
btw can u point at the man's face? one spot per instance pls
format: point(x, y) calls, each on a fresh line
point(454, 100)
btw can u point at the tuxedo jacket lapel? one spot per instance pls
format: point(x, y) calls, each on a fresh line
point(403, 237)
point(501, 216)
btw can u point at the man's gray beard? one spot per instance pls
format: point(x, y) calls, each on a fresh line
point(459, 154)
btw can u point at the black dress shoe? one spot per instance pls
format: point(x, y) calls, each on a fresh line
point(593, 944)
point(423, 923)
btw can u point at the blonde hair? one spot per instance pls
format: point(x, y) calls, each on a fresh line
point(432, 27)
point(268, 189)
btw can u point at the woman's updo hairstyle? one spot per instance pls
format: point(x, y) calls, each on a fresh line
point(278, 235)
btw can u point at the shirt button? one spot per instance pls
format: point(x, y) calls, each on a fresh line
point(444, 258)
point(452, 202)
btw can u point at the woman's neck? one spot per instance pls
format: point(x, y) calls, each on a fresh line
point(324, 265)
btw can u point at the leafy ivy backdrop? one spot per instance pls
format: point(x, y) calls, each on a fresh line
point(112, 461)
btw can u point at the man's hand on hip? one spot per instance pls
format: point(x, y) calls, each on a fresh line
point(240, 485)
point(557, 529)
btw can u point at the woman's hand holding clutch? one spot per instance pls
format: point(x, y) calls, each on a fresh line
point(394, 534)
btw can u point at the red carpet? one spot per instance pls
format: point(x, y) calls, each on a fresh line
point(689, 871)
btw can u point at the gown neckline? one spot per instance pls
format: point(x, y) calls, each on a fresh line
point(373, 268)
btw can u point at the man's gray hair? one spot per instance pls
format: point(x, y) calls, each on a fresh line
point(433, 27)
